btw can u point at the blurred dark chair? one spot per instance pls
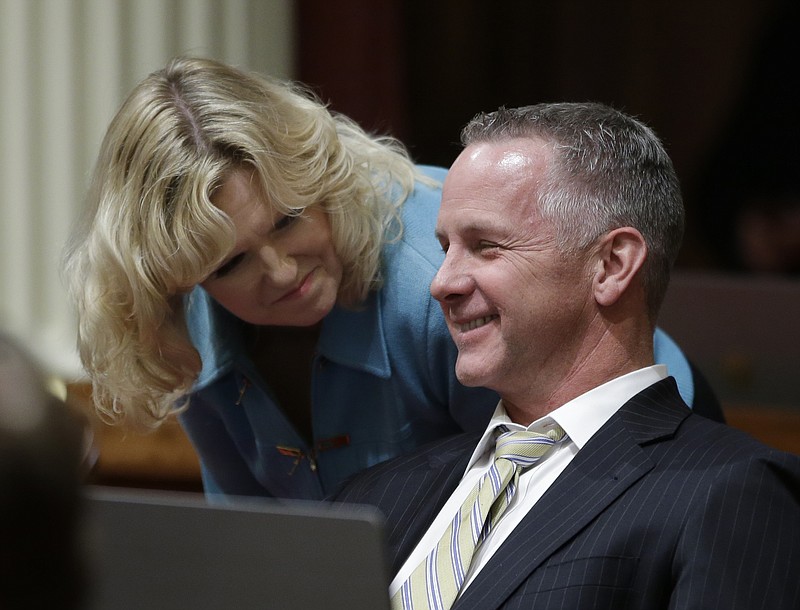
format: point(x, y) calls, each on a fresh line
point(741, 332)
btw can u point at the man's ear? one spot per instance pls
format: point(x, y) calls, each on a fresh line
point(620, 255)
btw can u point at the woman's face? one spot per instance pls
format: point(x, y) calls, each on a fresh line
point(283, 270)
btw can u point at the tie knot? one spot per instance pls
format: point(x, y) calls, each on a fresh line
point(525, 448)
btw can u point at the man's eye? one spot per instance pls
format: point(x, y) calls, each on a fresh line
point(226, 268)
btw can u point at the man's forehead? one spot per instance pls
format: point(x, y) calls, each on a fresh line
point(482, 217)
point(490, 182)
point(505, 156)
point(509, 153)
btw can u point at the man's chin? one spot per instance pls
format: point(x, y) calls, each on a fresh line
point(471, 376)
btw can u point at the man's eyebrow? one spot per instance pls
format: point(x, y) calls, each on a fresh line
point(469, 228)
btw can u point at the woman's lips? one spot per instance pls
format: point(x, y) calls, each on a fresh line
point(301, 290)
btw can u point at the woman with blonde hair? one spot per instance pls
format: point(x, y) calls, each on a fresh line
point(261, 265)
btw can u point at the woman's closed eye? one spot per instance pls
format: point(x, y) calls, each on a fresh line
point(227, 267)
point(285, 221)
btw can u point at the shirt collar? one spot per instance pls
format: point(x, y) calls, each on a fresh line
point(215, 333)
point(582, 416)
point(355, 338)
point(352, 338)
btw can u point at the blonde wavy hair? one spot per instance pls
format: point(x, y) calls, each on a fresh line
point(150, 231)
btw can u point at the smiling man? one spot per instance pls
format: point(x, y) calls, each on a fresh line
point(515, 300)
point(593, 486)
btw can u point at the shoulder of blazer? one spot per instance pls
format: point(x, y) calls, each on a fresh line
point(654, 413)
point(410, 490)
point(658, 414)
point(440, 456)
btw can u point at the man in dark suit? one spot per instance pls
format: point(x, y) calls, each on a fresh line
point(560, 224)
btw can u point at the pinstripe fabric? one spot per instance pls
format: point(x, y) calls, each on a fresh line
point(660, 509)
point(435, 583)
point(412, 490)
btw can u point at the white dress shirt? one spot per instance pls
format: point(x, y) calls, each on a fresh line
point(580, 418)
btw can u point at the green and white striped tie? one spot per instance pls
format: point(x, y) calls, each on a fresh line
point(435, 582)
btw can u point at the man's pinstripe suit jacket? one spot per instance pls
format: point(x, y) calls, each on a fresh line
point(662, 508)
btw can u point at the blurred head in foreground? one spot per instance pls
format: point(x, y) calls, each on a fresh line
point(40, 473)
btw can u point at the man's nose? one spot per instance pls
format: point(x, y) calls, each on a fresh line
point(278, 266)
point(452, 280)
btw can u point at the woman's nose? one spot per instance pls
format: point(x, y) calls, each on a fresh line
point(279, 267)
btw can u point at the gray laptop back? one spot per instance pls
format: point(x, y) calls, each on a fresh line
point(163, 551)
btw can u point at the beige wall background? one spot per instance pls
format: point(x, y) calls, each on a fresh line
point(65, 66)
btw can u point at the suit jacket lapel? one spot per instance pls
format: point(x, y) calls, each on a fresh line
point(424, 489)
point(603, 469)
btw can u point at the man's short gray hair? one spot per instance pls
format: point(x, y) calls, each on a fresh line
point(609, 171)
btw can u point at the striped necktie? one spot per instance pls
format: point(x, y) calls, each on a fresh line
point(435, 582)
